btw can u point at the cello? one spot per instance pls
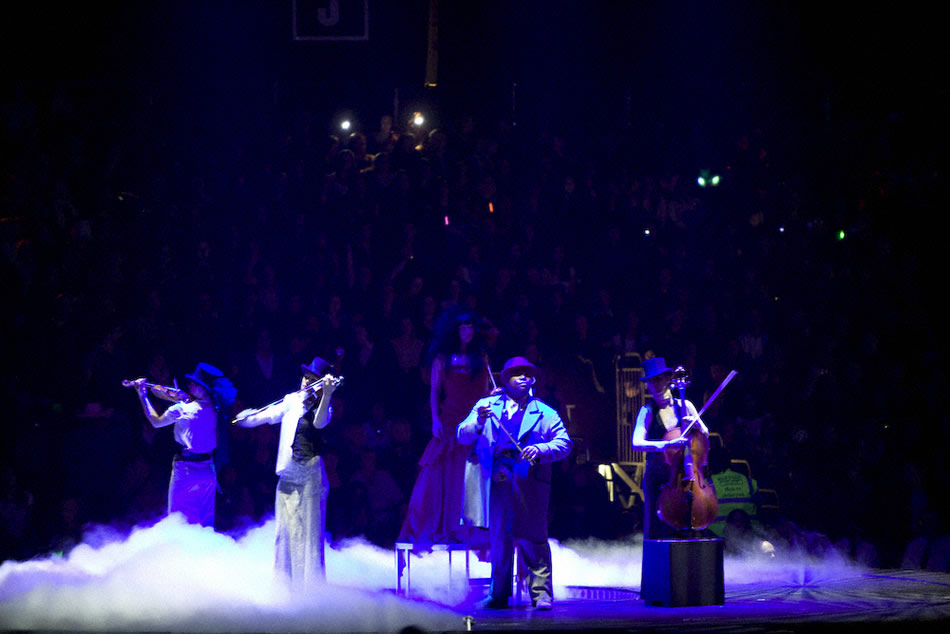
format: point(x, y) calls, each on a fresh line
point(688, 501)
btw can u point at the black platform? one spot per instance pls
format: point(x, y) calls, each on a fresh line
point(682, 572)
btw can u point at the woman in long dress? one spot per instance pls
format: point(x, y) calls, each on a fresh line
point(460, 376)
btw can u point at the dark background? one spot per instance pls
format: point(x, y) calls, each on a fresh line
point(682, 78)
point(670, 85)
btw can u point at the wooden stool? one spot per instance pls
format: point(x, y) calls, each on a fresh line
point(682, 572)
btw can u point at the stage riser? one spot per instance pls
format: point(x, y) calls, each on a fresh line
point(679, 573)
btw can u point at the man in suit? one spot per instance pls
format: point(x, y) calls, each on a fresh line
point(508, 480)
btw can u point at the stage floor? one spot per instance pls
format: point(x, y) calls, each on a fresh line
point(175, 577)
point(870, 600)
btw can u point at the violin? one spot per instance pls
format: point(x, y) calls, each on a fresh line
point(307, 392)
point(688, 501)
point(164, 392)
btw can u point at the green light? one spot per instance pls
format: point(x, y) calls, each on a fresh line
point(701, 181)
point(841, 235)
point(715, 180)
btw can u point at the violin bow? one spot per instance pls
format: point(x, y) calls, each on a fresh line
point(491, 375)
point(712, 398)
point(508, 433)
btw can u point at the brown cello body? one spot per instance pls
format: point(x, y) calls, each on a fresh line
point(688, 501)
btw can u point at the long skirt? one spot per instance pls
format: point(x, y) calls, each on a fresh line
point(300, 509)
point(191, 490)
point(435, 506)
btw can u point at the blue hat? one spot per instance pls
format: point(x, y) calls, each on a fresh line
point(654, 367)
point(517, 365)
point(213, 380)
point(318, 367)
point(204, 375)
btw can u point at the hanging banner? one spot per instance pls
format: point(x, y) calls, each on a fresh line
point(331, 20)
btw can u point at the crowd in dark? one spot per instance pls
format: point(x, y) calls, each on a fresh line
point(137, 242)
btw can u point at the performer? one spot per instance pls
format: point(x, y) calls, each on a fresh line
point(193, 483)
point(654, 419)
point(301, 499)
point(508, 487)
point(459, 377)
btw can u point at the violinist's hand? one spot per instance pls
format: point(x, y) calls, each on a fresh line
point(330, 383)
point(436, 428)
point(530, 453)
point(139, 385)
point(496, 391)
point(483, 413)
point(244, 413)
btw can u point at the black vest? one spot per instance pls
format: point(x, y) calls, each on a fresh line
point(655, 431)
point(308, 440)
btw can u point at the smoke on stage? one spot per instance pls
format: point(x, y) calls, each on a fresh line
point(176, 576)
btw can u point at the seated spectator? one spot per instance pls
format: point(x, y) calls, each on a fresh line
point(733, 489)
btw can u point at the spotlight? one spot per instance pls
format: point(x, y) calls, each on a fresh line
point(345, 125)
point(417, 119)
point(707, 179)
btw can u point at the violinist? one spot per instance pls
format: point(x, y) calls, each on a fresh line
point(193, 484)
point(302, 488)
point(657, 419)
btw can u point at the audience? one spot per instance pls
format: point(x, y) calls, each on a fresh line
point(295, 246)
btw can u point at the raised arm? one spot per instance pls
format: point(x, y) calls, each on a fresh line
point(324, 411)
point(269, 415)
point(151, 413)
point(470, 429)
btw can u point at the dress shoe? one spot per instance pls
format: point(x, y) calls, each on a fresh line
point(543, 604)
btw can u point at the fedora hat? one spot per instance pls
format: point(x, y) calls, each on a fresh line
point(517, 365)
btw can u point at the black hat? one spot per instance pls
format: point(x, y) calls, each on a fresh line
point(654, 367)
point(318, 367)
point(517, 365)
point(213, 380)
point(204, 375)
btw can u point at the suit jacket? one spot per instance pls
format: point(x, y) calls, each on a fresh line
point(540, 426)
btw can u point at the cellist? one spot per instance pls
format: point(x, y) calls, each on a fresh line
point(657, 417)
